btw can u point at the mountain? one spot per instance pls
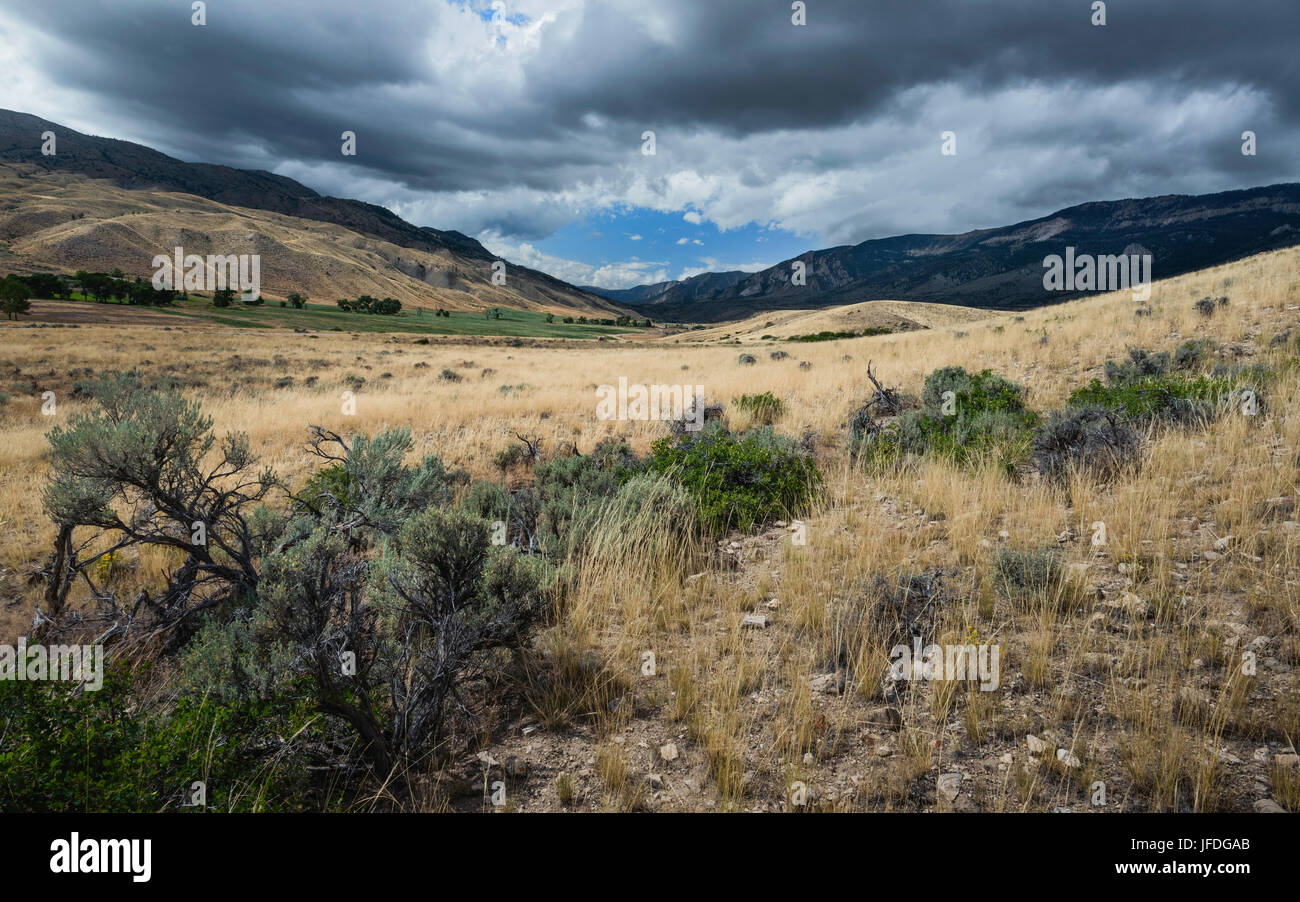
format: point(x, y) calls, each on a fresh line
point(47, 192)
point(704, 285)
point(997, 268)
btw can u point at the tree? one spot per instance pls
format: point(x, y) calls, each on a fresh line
point(298, 300)
point(147, 469)
point(223, 297)
point(13, 297)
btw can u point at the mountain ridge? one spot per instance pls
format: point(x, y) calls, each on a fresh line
point(138, 168)
point(998, 268)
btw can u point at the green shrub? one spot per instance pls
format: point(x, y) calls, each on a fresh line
point(765, 408)
point(739, 481)
point(102, 751)
point(1169, 399)
point(1141, 365)
point(964, 416)
point(567, 486)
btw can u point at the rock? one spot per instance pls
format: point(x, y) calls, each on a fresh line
point(1211, 556)
point(487, 760)
point(1036, 745)
point(884, 750)
point(1068, 759)
point(773, 605)
point(1261, 754)
point(807, 759)
point(1223, 543)
point(654, 781)
point(668, 751)
point(1286, 760)
point(516, 768)
point(885, 716)
point(1007, 758)
point(830, 684)
point(1268, 806)
point(950, 785)
point(754, 622)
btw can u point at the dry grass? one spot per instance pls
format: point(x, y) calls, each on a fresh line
point(1094, 672)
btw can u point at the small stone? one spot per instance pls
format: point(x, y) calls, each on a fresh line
point(884, 750)
point(1211, 556)
point(1286, 760)
point(831, 684)
point(1036, 746)
point(807, 759)
point(1223, 543)
point(754, 621)
point(773, 604)
point(655, 781)
point(668, 752)
point(1068, 759)
point(950, 785)
point(1268, 806)
point(886, 716)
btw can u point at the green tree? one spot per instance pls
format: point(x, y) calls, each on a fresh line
point(13, 297)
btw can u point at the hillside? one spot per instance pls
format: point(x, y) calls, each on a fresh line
point(100, 203)
point(1002, 268)
point(896, 316)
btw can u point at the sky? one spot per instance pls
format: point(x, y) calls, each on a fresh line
point(524, 122)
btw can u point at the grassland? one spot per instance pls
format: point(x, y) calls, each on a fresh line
point(1132, 668)
point(330, 318)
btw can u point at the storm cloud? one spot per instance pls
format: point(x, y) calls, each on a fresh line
point(511, 120)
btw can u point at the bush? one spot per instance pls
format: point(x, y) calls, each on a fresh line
point(1193, 353)
point(66, 750)
point(1207, 305)
point(448, 375)
point(1035, 578)
point(1142, 364)
point(765, 408)
point(1169, 399)
point(962, 416)
point(746, 360)
point(739, 481)
point(1094, 439)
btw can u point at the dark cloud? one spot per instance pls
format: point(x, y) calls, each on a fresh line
point(518, 125)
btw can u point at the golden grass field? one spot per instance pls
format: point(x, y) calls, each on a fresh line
point(1136, 679)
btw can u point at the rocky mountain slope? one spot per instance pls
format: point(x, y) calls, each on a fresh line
point(100, 203)
point(998, 268)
